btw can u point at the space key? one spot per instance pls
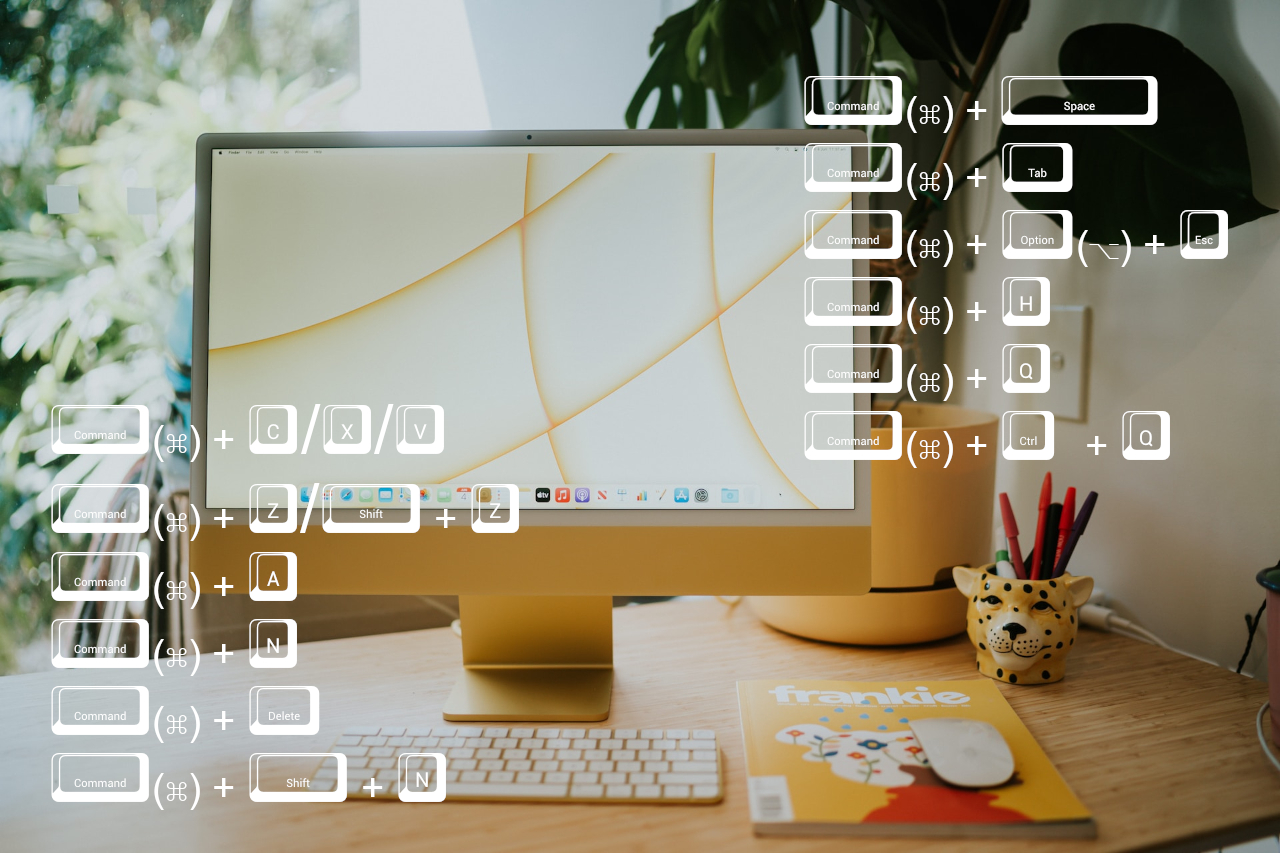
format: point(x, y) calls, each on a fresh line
point(496, 789)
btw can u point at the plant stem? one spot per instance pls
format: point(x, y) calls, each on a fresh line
point(920, 210)
point(806, 55)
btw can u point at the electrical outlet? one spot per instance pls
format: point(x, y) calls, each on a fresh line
point(1067, 336)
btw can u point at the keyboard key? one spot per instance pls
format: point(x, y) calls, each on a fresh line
point(584, 743)
point(586, 778)
point(704, 755)
point(459, 752)
point(691, 744)
point(473, 776)
point(649, 754)
point(387, 774)
point(392, 732)
point(382, 763)
point(462, 764)
point(352, 751)
point(657, 767)
point(611, 743)
point(469, 731)
point(573, 733)
point(453, 741)
point(462, 789)
point(693, 767)
point(529, 777)
point(704, 734)
point(488, 753)
point(348, 740)
point(648, 792)
point(502, 776)
point(515, 753)
point(677, 755)
point(618, 791)
point(547, 733)
point(362, 730)
point(651, 734)
point(600, 766)
point(426, 741)
point(355, 763)
point(624, 734)
point(373, 740)
point(677, 734)
point(676, 792)
point(519, 765)
point(586, 791)
point(640, 778)
point(521, 733)
point(665, 744)
point(569, 754)
point(572, 766)
point(688, 778)
point(622, 754)
point(559, 777)
point(451, 776)
point(559, 743)
point(706, 791)
point(491, 764)
point(599, 733)
point(420, 731)
point(637, 743)
point(627, 766)
point(613, 778)
point(495, 732)
point(381, 751)
point(543, 766)
point(444, 731)
point(595, 754)
point(479, 742)
point(532, 743)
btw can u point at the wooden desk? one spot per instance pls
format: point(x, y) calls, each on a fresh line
point(1161, 748)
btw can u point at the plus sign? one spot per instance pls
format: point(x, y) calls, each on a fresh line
point(224, 518)
point(977, 244)
point(976, 378)
point(372, 786)
point(1096, 445)
point(1154, 244)
point(223, 654)
point(977, 178)
point(224, 787)
point(975, 311)
point(224, 586)
point(976, 109)
point(446, 518)
point(224, 438)
point(224, 719)
point(977, 445)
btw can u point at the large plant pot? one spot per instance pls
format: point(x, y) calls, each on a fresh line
point(924, 520)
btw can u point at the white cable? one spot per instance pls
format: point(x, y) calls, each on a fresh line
point(1106, 619)
point(1266, 747)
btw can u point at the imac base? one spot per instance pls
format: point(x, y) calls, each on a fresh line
point(534, 658)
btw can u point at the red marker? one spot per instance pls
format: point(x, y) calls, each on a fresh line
point(1064, 526)
point(1046, 498)
point(1011, 533)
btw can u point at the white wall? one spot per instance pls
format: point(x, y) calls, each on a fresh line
point(1178, 542)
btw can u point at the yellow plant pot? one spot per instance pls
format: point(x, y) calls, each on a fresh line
point(925, 519)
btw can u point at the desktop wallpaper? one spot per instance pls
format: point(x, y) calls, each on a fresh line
point(583, 315)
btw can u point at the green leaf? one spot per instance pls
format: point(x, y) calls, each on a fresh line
point(921, 28)
point(669, 72)
point(1141, 177)
point(971, 19)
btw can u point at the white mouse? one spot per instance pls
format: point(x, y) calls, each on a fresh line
point(965, 753)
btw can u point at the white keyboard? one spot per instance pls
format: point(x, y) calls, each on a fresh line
point(533, 764)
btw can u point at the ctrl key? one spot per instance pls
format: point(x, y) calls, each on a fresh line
point(100, 777)
point(293, 777)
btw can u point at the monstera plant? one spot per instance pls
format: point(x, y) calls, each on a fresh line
point(1137, 177)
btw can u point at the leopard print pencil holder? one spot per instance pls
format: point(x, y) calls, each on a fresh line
point(1022, 629)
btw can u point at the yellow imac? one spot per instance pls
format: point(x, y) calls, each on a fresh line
point(392, 329)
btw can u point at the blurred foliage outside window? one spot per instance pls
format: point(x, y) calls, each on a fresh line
point(94, 306)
